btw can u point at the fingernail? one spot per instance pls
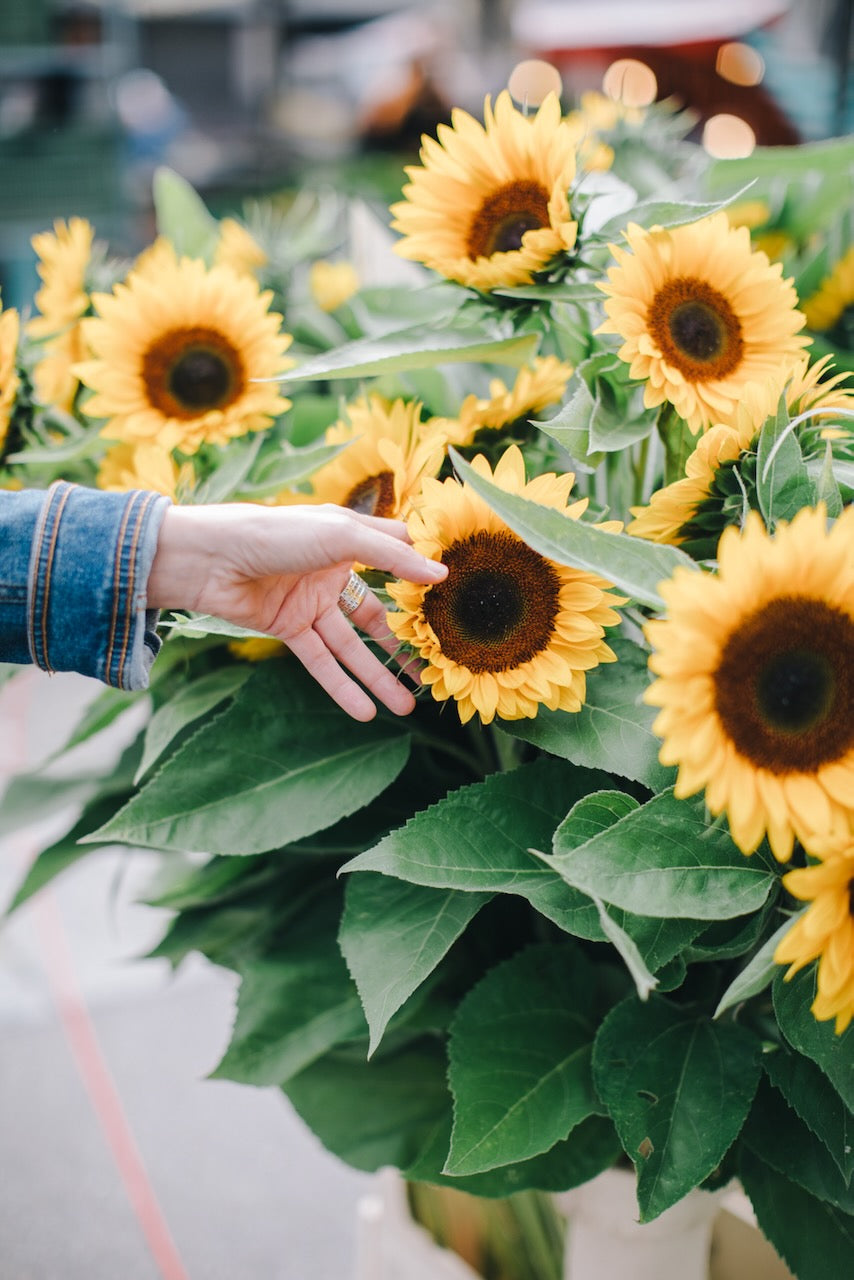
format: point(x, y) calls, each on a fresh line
point(435, 569)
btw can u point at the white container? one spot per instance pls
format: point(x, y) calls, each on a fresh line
point(605, 1240)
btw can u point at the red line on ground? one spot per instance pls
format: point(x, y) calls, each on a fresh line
point(103, 1094)
point(79, 1029)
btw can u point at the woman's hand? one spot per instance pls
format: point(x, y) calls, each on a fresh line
point(281, 570)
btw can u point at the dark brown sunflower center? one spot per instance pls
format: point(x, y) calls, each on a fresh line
point(505, 216)
point(498, 605)
point(784, 687)
point(191, 371)
point(373, 496)
point(696, 329)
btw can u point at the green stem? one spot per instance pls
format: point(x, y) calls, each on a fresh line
point(506, 749)
point(473, 763)
point(678, 443)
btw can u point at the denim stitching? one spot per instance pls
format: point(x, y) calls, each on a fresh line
point(117, 580)
point(131, 583)
point(50, 517)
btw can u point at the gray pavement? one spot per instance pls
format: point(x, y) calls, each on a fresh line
point(120, 1160)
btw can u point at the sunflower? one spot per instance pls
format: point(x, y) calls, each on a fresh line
point(64, 260)
point(143, 465)
point(672, 514)
point(537, 386)
point(237, 248)
point(257, 648)
point(389, 453)
point(701, 315)
point(694, 511)
point(508, 630)
point(9, 381)
point(756, 680)
point(826, 931)
point(179, 351)
point(834, 295)
point(489, 204)
point(331, 284)
point(64, 257)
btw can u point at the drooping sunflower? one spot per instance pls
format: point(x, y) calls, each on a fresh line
point(826, 930)
point(675, 513)
point(178, 349)
point(507, 631)
point(489, 204)
point(537, 386)
point(144, 465)
point(835, 293)
point(389, 452)
point(701, 315)
point(755, 668)
point(64, 256)
point(9, 381)
point(694, 511)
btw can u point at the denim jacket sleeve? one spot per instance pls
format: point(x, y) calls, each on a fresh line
point(74, 566)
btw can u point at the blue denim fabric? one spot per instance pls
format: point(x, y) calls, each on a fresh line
point(74, 566)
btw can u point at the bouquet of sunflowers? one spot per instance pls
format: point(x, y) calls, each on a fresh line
point(593, 902)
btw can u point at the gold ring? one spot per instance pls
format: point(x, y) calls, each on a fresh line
point(353, 594)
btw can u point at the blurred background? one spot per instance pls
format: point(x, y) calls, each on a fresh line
point(247, 97)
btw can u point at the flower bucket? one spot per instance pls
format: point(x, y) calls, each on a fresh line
point(706, 1236)
point(605, 1240)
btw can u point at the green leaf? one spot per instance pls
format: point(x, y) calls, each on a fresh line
point(613, 729)
point(815, 1239)
point(286, 468)
point(678, 1088)
point(664, 213)
point(183, 217)
point(827, 486)
point(281, 762)
point(100, 714)
point(417, 347)
point(570, 426)
point(192, 701)
point(592, 1146)
point(295, 1002)
point(816, 1040)
point(633, 565)
point(807, 1089)
point(233, 466)
point(371, 1114)
point(664, 859)
point(393, 935)
point(519, 1055)
point(643, 943)
point(783, 484)
point(775, 1133)
point(479, 837)
point(756, 975)
point(33, 797)
point(627, 949)
point(594, 813)
point(64, 852)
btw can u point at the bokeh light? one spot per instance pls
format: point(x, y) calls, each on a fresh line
point(533, 80)
point(631, 82)
point(728, 137)
point(740, 64)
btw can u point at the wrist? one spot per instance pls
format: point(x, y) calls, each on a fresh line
point(182, 560)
